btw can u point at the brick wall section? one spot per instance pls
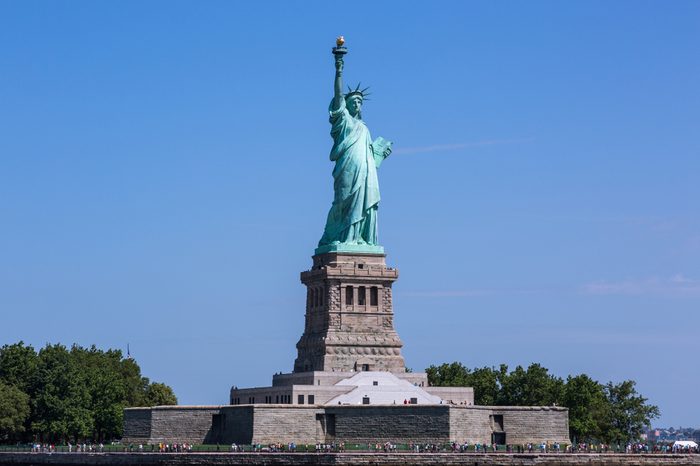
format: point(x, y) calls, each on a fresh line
point(238, 425)
point(522, 424)
point(470, 424)
point(183, 424)
point(247, 424)
point(265, 424)
point(285, 424)
point(346, 459)
point(535, 424)
point(192, 424)
point(137, 424)
point(362, 424)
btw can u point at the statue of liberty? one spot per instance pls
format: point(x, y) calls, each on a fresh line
point(352, 221)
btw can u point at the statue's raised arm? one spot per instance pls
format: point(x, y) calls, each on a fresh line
point(338, 52)
point(352, 220)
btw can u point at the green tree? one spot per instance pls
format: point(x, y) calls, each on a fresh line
point(61, 397)
point(628, 412)
point(14, 412)
point(106, 387)
point(588, 407)
point(71, 394)
point(448, 375)
point(159, 394)
point(484, 380)
point(610, 413)
point(18, 365)
point(486, 385)
point(135, 384)
point(532, 387)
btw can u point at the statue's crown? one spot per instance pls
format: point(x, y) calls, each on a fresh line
point(357, 91)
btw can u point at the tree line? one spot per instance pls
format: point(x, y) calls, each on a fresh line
point(60, 394)
point(610, 413)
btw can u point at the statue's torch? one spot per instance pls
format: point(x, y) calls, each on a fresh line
point(339, 50)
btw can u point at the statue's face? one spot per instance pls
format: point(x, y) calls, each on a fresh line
point(354, 104)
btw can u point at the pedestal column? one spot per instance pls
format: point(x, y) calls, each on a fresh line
point(352, 327)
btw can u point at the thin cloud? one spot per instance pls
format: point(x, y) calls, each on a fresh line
point(446, 294)
point(693, 243)
point(469, 293)
point(464, 145)
point(618, 336)
point(677, 285)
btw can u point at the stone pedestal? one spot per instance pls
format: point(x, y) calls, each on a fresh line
point(349, 315)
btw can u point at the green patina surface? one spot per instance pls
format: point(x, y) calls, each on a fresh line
point(352, 220)
point(348, 247)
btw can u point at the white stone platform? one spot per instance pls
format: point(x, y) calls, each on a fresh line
point(352, 388)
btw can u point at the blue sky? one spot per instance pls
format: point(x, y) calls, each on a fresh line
point(164, 178)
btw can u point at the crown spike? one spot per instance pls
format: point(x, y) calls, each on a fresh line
point(358, 91)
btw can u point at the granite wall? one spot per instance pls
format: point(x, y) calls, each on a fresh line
point(400, 423)
point(137, 423)
point(267, 424)
point(470, 424)
point(246, 424)
point(520, 424)
point(192, 424)
point(237, 425)
point(535, 424)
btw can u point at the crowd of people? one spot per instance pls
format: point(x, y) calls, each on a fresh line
point(379, 447)
point(78, 447)
point(632, 448)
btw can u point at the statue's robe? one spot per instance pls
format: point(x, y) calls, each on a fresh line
point(353, 215)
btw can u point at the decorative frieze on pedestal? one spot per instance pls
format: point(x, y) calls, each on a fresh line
point(349, 315)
